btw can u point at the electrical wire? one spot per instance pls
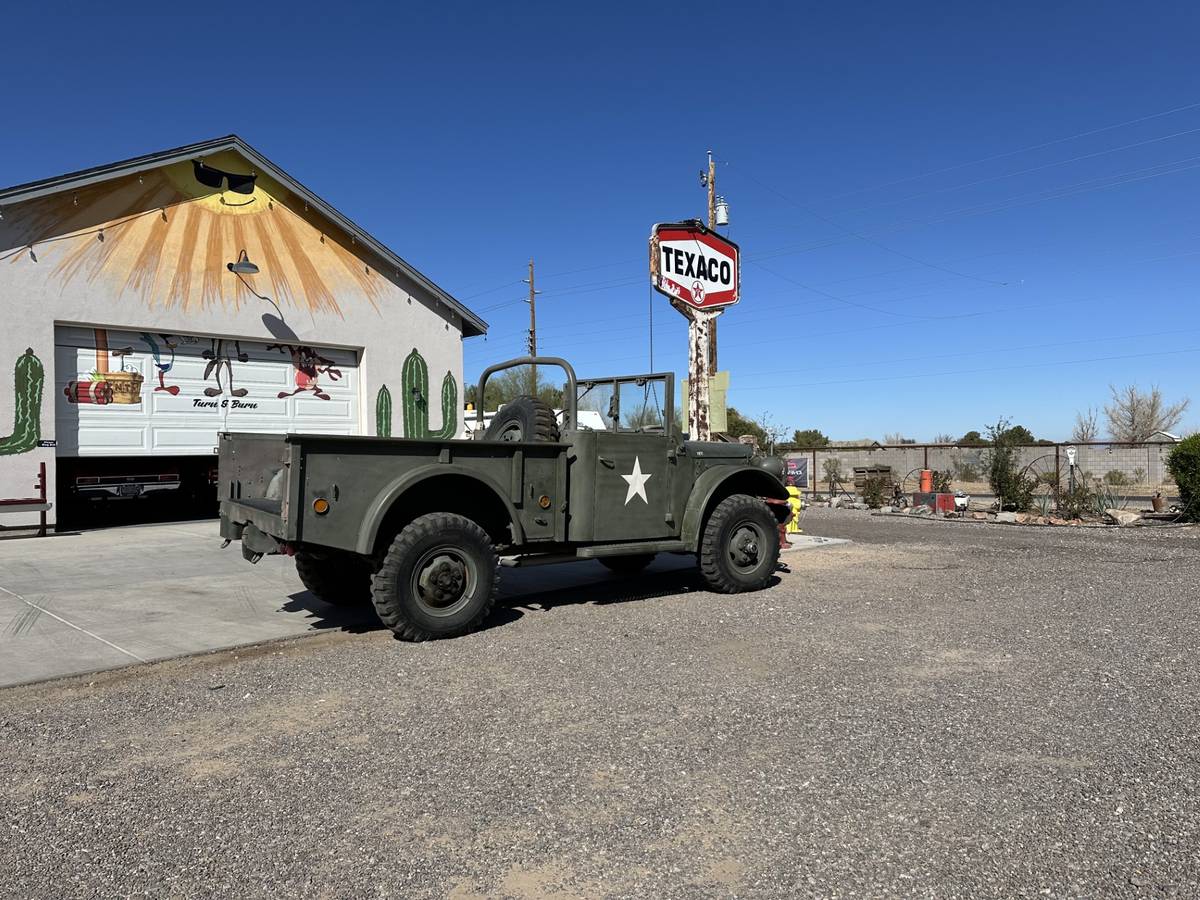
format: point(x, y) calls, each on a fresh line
point(1019, 150)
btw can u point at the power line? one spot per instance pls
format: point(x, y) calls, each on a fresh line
point(862, 237)
point(1029, 171)
point(1019, 150)
point(1065, 362)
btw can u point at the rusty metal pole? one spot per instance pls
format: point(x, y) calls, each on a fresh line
point(700, 323)
point(712, 226)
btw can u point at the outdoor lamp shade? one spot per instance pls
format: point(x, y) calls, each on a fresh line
point(243, 266)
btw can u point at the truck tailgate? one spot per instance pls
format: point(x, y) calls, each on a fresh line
point(255, 484)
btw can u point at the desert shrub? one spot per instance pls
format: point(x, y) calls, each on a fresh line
point(1078, 503)
point(1116, 478)
point(942, 483)
point(873, 492)
point(1184, 466)
point(1013, 487)
point(1139, 476)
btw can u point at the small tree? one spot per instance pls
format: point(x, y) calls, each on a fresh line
point(944, 438)
point(1013, 489)
point(1018, 435)
point(737, 425)
point(809, 439)
point(1135, 414)
point(1184, 466)
point(833, 472)
point(896, 437)
point(972, 439)
point(1087, 427)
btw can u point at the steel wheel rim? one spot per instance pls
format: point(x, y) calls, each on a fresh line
point(747, 546)
point(443, 581)
point(512, 432)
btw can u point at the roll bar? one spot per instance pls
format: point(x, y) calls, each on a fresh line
point(571, 399)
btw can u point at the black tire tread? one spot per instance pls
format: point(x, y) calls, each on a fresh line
point(328, 580)
point(537, 414)
point(627, 565)
point(712, 550)
point(387, 605)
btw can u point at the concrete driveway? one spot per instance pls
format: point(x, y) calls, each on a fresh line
point(84, 602)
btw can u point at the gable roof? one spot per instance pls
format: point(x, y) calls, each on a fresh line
point(472, 324)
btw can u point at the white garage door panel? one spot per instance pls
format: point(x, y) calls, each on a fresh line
point(184, 390)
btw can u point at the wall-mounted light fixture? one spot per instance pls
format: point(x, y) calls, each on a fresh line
point(243, 266)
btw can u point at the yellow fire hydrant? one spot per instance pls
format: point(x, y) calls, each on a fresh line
point(794, 501)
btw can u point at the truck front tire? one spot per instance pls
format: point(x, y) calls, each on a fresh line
point(438, 578)
point(338, 578)
point(739, 549)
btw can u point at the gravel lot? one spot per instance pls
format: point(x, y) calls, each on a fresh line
point(939, 709)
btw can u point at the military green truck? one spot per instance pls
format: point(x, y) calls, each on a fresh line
point(421, 527)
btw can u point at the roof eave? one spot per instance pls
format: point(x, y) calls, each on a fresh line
point(472, 325)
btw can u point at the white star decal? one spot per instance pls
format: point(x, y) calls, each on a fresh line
point(637, 482)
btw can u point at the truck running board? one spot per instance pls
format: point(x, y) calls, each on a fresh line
point(629, 549)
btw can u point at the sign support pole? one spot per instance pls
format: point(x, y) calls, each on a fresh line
point(701, 323)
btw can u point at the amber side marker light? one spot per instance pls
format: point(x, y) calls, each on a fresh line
point(320, 506)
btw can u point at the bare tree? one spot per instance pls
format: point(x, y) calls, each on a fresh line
point(895, 437)
point(1134, 414)
point(774, 430)
point(945, 438)
point(1087, 426)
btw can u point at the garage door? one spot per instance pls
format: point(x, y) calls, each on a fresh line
point(137, 393)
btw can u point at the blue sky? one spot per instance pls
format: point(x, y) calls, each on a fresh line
point(947, 214)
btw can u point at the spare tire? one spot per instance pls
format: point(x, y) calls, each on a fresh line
point(524, 419)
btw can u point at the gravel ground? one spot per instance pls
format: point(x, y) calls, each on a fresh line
point(939, 709)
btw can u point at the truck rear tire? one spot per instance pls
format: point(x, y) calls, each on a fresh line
point(438, 578)
point(627, 565)
point(524, 419)
point(739, 549)
point(338, 578)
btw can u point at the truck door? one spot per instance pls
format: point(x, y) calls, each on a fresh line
point(633, 470)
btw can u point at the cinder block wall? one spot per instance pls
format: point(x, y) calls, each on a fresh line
point(1143, 466)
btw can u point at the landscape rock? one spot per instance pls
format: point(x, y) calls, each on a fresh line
point(860, 505)
point(920, 511)
point(980, 516)
point(1122, 516)
point(1007, 518)
point(886, 510)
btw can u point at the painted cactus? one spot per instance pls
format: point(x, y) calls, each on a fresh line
point(449, 408)
point(383, 412)
point(28, 379)
point(414, 386)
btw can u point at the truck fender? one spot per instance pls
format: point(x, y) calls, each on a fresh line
point(750, 480)
point(379, 508)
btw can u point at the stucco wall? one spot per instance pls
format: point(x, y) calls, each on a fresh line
point(148, 253)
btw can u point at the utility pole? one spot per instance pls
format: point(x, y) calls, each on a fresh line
point(532, 330)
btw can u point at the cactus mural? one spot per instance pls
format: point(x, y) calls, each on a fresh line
point(414, 386)
point(383, 412)
point(28, 379)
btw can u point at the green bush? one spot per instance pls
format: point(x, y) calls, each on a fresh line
point(1116, 478)
point(1009, 483)
point(873, 492)
point(1184, 466)
point(942, 482)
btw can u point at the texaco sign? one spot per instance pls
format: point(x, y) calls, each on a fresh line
point(690, 263)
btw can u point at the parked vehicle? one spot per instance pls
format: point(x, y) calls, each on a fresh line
point(419, 526)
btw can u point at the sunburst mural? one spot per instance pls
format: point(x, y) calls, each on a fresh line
point(164, 237)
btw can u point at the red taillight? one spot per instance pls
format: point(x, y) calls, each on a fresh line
point(168, 477)
point(87, 479)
